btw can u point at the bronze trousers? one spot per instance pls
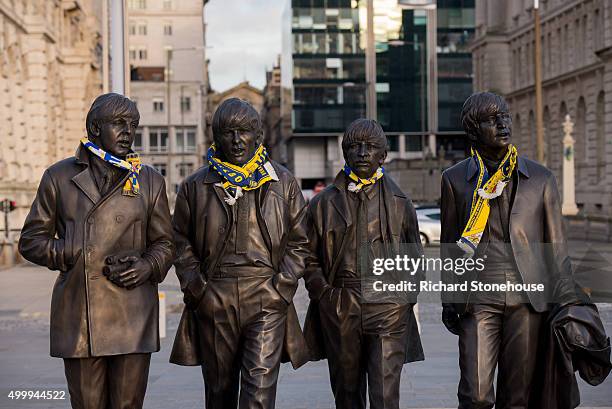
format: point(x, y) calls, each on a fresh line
point(497, 335)
point(366, 348)
point(242, 328)
point(107, 382)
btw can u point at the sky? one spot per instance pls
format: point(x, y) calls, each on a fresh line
point(243, 39)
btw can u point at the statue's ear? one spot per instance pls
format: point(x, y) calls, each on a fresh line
point(472, 137)
point(93, 129)
point(384, 157)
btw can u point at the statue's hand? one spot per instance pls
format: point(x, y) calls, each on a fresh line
point(450, 318)
point(132, 272)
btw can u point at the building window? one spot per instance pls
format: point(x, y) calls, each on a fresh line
point(142, 53)
point(132, 29)
point(158, 105)
point(137, 145)
point(132, 53)
point(185, 104)
point(161, 168)
point(168, 29)
point(142, 29)
point(158, 140)
point(167, 4)
point(186, 139)
point(184, 169)
point(137, 4)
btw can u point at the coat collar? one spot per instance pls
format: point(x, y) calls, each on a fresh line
point(84, 179)
point(472, 168)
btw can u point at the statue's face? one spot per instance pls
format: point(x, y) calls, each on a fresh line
point(116, 135)
point(494, 130)
point(364, 154)
point(237, 146)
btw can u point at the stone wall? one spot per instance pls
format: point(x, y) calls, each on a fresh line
point(49, 75)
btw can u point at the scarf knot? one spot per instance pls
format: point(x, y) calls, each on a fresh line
point(358, 183)
point(131, 163)
point(250, 176)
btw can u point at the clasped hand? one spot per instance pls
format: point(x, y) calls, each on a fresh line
point(127, 271)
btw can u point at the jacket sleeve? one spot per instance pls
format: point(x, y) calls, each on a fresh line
point(160, 248)
point(558, 261)
point(187, 262)
point(293, 262)
point(449, 233)
point(316, 284)
point(38, 242)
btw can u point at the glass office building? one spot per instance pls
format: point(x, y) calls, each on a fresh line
point(328, 65)
point(423, 71)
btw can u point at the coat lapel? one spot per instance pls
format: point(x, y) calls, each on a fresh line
point(339, 200)
point(394, 207)
point(84, 179)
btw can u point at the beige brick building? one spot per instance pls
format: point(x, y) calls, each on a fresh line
point(577, 80)
point(50, 58)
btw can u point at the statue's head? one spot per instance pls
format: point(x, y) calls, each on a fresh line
point(237, 131)
point(111, 123)
point(487, 122)
point(364, 146)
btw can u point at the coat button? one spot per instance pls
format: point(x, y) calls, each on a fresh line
point(119, 218)
point(90, 220)
point(221, 230)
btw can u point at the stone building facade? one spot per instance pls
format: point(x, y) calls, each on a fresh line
point(169, 82)
point(576, 62)
point(244, 91)
point(50, 59)
point(271, 115)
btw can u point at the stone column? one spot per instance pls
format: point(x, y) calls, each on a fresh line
point(569, 178)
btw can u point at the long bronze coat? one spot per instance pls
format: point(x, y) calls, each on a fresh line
point(72, 228)
point(202, 223)
point(330, 218)
point(536, 231)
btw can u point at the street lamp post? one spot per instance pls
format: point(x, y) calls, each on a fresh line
point(538, 83)
point(117, 46)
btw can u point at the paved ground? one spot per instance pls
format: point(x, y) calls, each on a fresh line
point(25, 363)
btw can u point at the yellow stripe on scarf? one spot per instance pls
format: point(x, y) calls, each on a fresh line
point(485, 191)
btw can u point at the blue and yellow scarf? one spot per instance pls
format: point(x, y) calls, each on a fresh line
point(249, 176)
point(487, 188)
point(131, 163)
point(358, 183)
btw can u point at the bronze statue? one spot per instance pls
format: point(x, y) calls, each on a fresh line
point(97, 212)
point(241, 249)
point(505, 208)
point(366, 343)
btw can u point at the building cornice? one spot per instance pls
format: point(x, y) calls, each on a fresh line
point(604, 53)
point(11, 15)
point(487, 38)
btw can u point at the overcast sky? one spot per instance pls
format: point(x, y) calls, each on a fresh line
point(244, 37)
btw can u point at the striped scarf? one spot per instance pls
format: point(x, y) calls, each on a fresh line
point(250, 176)
point(487, 188)
point(131, 163)
point(358, 183)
